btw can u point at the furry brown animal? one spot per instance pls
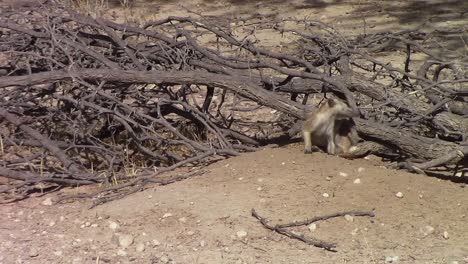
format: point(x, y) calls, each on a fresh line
point(330, 127)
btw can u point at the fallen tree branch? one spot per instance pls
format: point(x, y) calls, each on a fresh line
point(281, 228)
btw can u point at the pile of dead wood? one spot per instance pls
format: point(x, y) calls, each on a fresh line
point(86, 100)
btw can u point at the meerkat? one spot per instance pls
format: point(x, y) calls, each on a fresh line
point(330, 127)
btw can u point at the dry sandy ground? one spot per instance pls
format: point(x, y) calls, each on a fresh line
point(198, 220)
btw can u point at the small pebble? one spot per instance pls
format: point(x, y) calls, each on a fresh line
point(155, 243)
point(190, 233)
point(391, 259)
point(47, 201)
point(125, 240)
point(166, 215)
point(445, 235)
point(77, 260)
point(113, 225)
point(202, 243)
point(328, 178)
point(427, 230)
point(121, 253)
point(326, 195)
point(343, 174)
point(283, 163)
point(260, 179)
point(241, 178)
point(140, 247)
point(241, 234)
point(357, 181)
point(259, 188)
point(399, 194)
point(312, 227)
point(349, 218)
point(360, 169)
point(33, 252)
point(355, 231)
point(164, 259)
point(183, 219)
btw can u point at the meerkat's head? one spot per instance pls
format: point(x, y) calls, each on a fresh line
point(338, 109)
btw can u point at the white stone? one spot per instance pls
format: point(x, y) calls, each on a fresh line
point(47, 201)
point(164, 259)
point(113, 225)
point(202, 243)
point(360, 169)
point(326, 195)
point(166, 215)
point(183, 219)
point(33, 252)
point(77, 260)
point(391, 259)
point(427, 230)
point(312, 227)
point(349, 218)
point(241, 234)
point(357, 181)
point(399, 194)
point(121, 253)
point(445, 235)
point(343, 174)
point(125, 240)
point(140, 247)
point(355, 231)
point(155, 243)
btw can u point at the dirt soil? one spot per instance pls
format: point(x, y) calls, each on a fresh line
point(203, 219)
point(207, 219)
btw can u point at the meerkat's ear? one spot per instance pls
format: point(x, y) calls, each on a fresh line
point(331, 102)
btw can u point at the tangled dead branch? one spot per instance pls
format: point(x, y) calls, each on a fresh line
point(86, 100)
